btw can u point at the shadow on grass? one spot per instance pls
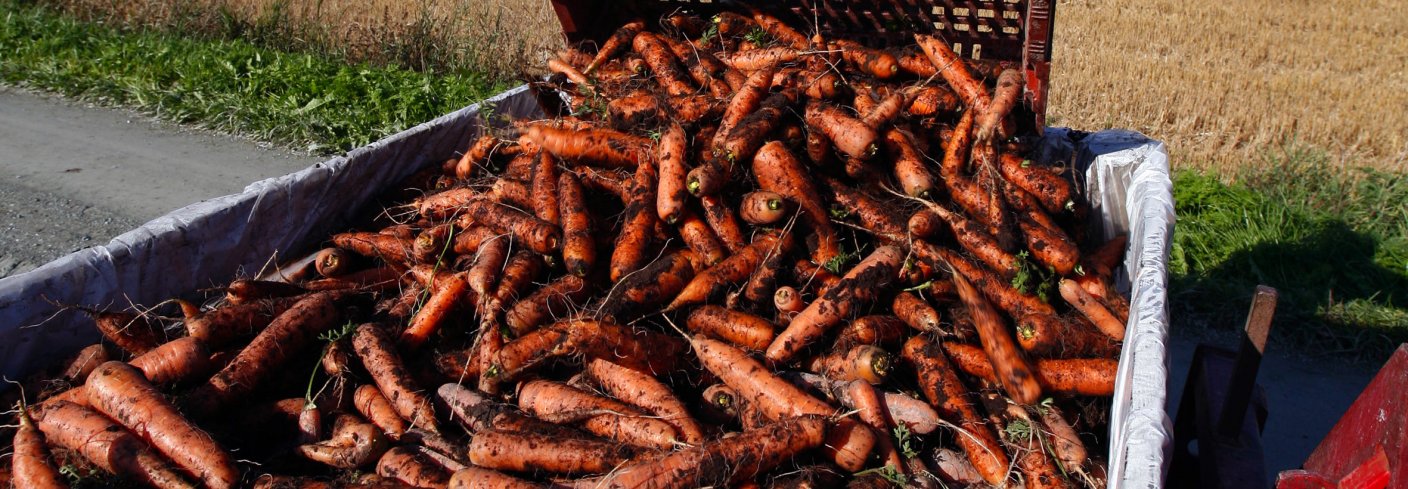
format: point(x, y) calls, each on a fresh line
point(1343, 290)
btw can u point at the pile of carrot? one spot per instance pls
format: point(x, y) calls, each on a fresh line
point(746, 256)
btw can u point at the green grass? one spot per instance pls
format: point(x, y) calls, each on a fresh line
point(1333, 241)
point(295, 99)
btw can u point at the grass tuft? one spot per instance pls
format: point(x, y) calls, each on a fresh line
point(296, 99)
point(1333, 241)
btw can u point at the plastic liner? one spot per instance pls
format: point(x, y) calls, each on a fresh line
point(208, 243)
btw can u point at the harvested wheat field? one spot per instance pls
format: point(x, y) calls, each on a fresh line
point(1225, 84)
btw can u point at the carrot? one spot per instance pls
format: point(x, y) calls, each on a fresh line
point(375, 279)
point(645, 392)
point(1092, 309)
point(603, 147)
point(353, 444)
point(84, 362)
point(561, 403)
point(30, 461)
point(858, 287)
point(877, 329)
point(170, 363)
point(847, 444)
point(551, 300)
point(378, 354)
point(518, 275)
point(977, 241)
point(715, 280)
point(413, 468)
point(915, 414)
point(477, 413)
point(776, 170)
point(850, 135)
point(578, 247)
point(722, 220)
point(133, 333)
point(631, 245)
point(727, 461)
point(615, 44)
point(245, 290)
point(525, 352)
point(284, 338)
point(478, 478)
point(1055, 194)
point(1066, 445)
point(762, 208)
point(871, 409)
point(391, 249)
point(701, 239)
point(956, 153)
point(745, 139)
point(952, 466)
point(761, 284)
point(910, 172)
point(310, 423)
point(532, 452)
point(104, 443)
point(520, 168)
point(1046, 335)
point(875, 216)
point(986, 202)
point(745, 101)
point(544, 184)
point(671, 194)
point(1031, 446)
point(538, 235)
point(916, 313)
point(954, 71)
point(1012, 369)
point(788, 300)
point(468, 241)
point(508, 191)
point(1005, 96)
point(738, 328)
point(122, 393)
point(639, 108)
point(763, 58)
point(484, 274)
point(664, 66)
point(1074, 376)
point(940, 384)
point(860, 362)
point(1103, 261)
point(873, 62)
point(1000, 292)
point(477, 155)
point(694, 108)
point(332, 262)
point(931, 100)
point(446, 294)
point(780, 31)
point(576, 77)
point(490, 342)
point(653, 285)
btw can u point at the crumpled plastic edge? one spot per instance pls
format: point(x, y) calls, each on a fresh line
point(208, 243)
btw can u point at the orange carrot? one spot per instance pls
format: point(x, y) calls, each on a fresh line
point(391, 249)
point(874, 62)
point(860, 362)
point(744, 102)
point(715, 280)
point(30, 461)
point(1032, 449)
point(538, 235)
point(977, 241)
point(134, 333)
point(915, 312)
point(745, 139)
point(788, 300)
point(931, 100)
point(1009, 90)
point(553, 299)
point(1092, 309)
point(954, 71)
point(644, 391)
point(780, 31)
point(722, 220)
point(1072, 376)
point(576, 77)
point(518, 275)
point(762, 208)
point(861, 285)
point(871, 409)
point(412, 467)
point(378, 354)
point(738, 328)
point(532, 452)
point(613, 45)
point(876, 329)
point(664, 66)
point(850, 135)
point(1013, 370)
point(847, 444)
point(477, 155)
point(639, 108)
point(763, 58)
point(283, 339)
point(727, 461)
point(761, 284)
point(121, 392)
point(561, 403)
point(545, 198)
point(701, 239)
point(374, 406)
point(655, 284)
point(332, 262)
point(105, 443)
point(940, 384)
point(997, 290)
point(910, 171)
point(482, 276)
point(591, 146)
point(776, 170)
point(242, 290)
point(1056, 194)
point(468, 241)
point(671, 194)
point(477, 478)
point(914, 413)
point(353, 444)
point(578, 246)
point(446, 295)
point(1050, 336)
point(635, 238)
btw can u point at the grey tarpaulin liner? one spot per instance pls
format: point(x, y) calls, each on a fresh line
point(208, 243)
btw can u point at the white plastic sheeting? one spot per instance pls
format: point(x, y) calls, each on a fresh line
point(208, 243)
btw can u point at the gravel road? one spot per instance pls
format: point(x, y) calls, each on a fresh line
point(73, 175)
